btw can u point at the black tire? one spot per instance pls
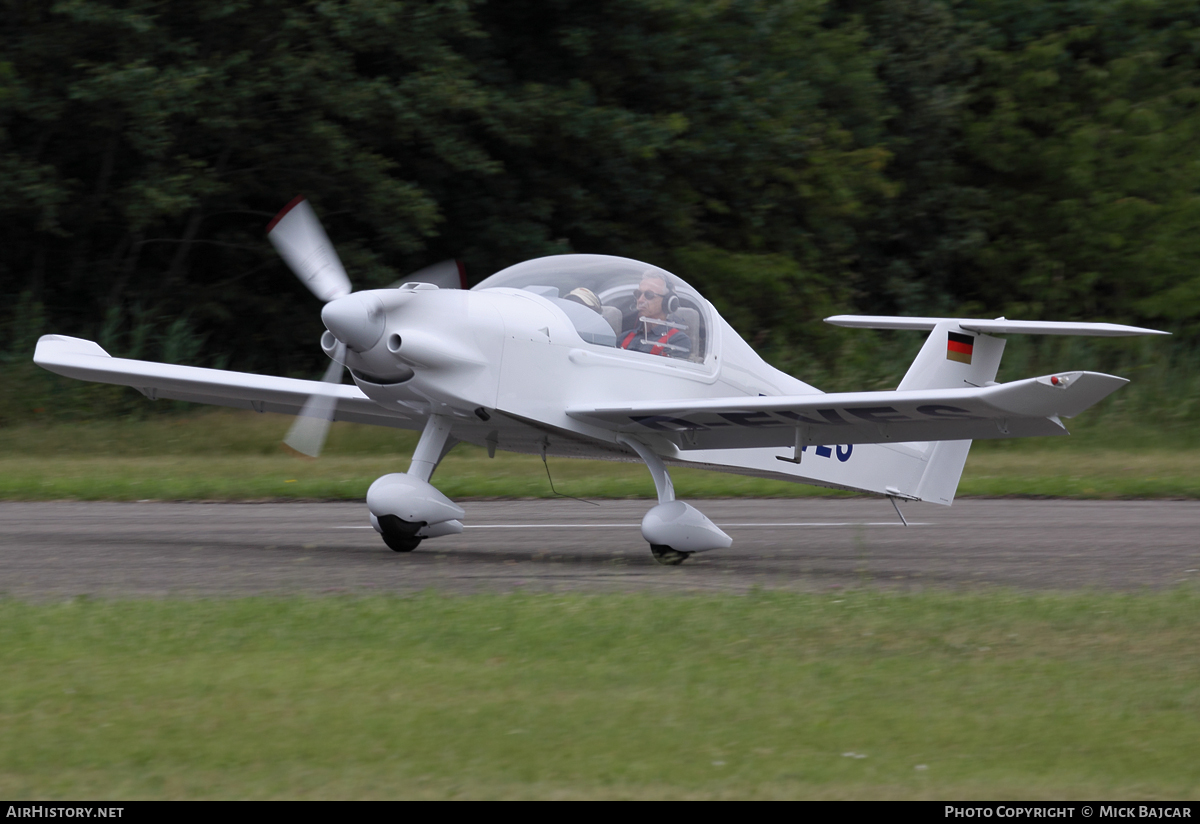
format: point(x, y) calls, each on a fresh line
point(667, 556)
point(400, 536)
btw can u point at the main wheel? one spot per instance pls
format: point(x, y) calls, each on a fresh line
point(400, 536)
point(667, 556)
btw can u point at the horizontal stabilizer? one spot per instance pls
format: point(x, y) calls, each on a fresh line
point(85, 360)
point(997, 326)
point(1018, 409)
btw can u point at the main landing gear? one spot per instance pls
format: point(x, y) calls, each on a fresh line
point(673, 529)
point(406, 508)
point(667, 556)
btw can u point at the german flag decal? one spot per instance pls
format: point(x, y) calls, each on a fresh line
point(959, 346)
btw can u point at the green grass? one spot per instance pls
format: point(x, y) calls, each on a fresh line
point(225, 455)
point(994, 695)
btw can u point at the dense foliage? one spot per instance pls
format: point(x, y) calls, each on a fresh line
point(790, 157)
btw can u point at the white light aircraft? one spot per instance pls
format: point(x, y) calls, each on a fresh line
point(590, 356)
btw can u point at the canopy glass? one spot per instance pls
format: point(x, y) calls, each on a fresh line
point(617, 302)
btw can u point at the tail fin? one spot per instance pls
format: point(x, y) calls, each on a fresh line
point(958, 353)
point(944, 464)
point(953, 358)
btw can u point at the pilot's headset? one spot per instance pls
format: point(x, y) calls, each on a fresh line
point(670, 299)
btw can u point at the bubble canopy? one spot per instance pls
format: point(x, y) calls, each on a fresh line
point(598, 293)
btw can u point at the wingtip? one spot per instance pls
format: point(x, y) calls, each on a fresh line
point(49, 345)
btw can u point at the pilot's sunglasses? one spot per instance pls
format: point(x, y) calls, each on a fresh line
point(637, 293)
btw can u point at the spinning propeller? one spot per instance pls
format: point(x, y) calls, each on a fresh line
point(298, 237)
point(355, 320)
point(302, 243)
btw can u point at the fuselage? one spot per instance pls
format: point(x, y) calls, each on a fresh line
point(507, 361)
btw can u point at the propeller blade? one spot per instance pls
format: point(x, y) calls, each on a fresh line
point(308, 433)
point(298, 237)
point(449, 274)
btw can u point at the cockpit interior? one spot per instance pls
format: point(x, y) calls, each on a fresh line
point(617, 302)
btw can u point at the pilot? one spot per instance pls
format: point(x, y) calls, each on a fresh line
point(656, 301)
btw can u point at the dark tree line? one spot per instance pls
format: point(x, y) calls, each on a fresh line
point(790, 158)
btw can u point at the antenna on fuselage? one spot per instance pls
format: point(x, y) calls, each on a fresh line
point(546, 443)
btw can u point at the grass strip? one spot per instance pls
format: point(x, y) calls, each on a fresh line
point(1103, 475)
point(854, 695)
point(237, 456)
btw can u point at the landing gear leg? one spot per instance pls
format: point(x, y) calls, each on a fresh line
point(434, 444)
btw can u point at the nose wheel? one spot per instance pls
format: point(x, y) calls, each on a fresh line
point(667, 556)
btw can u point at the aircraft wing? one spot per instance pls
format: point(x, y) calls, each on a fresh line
point(85, 360)
point(1017, 409)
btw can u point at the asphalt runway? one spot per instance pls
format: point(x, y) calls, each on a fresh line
point(64, 549)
